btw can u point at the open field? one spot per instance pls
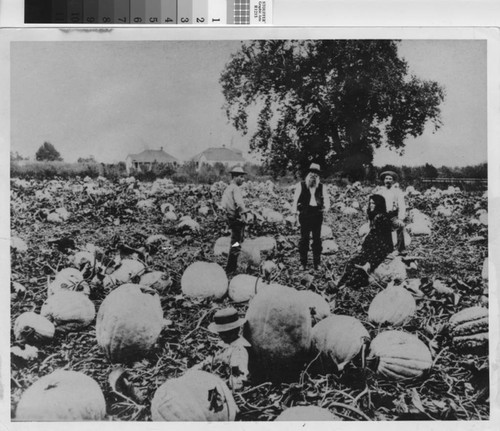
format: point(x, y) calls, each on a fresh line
point(117, 218)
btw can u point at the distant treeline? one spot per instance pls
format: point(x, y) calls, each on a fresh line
point(208, 174)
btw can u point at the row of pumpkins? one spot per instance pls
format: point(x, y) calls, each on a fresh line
point(279, 326)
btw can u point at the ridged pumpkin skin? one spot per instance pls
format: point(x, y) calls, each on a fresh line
point(62, 396)
point(469, 328)
point(129, 322)
point(195, 396)
point(279, 329)
point(69, 310)
point(401, 356)
point(30, 327)
point(393, 305)
point(339, 338)
point(306, 413)
point(204, 280)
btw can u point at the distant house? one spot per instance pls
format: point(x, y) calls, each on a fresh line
point(144, 162)
point(229, 157)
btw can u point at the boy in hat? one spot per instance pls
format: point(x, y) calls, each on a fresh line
point(395, 204)
point(236, 215)
point(309, 203)
point(227, 325)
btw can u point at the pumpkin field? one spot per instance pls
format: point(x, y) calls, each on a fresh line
point(114, 284)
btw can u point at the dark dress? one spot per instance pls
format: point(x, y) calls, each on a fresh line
point(376, 246)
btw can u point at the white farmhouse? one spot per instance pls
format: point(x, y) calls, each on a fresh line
point(146, 160)
point(229, 157)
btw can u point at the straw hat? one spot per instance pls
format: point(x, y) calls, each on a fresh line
point(314, 167)
point(393, 174)
point(225, 320)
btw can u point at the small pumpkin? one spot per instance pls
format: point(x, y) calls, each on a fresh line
point(469, 328)
point(195, 396)
point(306, 413)
point(204, 280)
point(158, 280)
point(128, 269)
point(62, 396)
point(68, 279)
point(394, 305)
point(279, 330)
point(339, 338)
point(32, 327)
point(326, 232)
point(399, 355)
point(69, 310)
point(221, 246)
point(392, 269)
point(129, 322)
point(264, 243)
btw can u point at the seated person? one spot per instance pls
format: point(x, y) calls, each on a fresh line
point(376, 246)
point(234, 354)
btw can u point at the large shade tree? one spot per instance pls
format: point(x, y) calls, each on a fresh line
point(329, 101)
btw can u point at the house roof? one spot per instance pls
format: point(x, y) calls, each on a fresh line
point(220, 155)
point(158, 156)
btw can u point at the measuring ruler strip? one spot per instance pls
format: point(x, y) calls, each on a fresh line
point(149, 12)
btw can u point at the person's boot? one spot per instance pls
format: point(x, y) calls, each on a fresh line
point(317, 263)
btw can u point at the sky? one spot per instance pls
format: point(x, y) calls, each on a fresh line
point(114, 98)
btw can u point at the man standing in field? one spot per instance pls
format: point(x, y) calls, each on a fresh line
point(236, 215)
point(310, 200)
point(396, 207)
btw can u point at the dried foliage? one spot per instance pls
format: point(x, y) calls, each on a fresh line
point(104, 219)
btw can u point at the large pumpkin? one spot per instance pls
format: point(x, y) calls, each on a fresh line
point(129, 322)
point(469, 328)
point(306, 413)
point(69, 310)
point(399, 355)
point(244, 287)
point(62, 396)
point(339, 339)
point(204, 280)
point(393, 305)
point(279, 329)
point(317, 304)
point(195, 396)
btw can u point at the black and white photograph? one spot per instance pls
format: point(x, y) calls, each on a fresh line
point(289, 225)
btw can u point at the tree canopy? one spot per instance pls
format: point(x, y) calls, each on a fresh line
point(47, 152)
point(329, 101)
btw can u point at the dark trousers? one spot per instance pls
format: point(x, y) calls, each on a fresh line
point(400, 237)
point(237, 235)
point(310, 220)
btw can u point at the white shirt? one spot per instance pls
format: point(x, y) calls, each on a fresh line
point(235, 355)
point(394, 200)
point(232, 201)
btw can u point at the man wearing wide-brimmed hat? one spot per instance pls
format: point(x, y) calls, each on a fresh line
point(396, 207)
point(310, 200)
point(227, 325)
point(236, 215)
